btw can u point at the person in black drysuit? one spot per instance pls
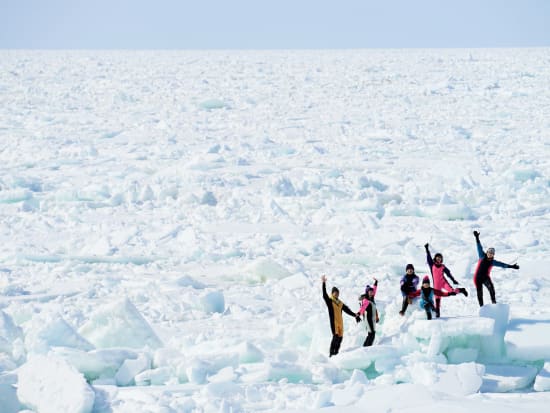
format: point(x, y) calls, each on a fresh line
point(409, 284)
point(482, 274)
point(335, 308)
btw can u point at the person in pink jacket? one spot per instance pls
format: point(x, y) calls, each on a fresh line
point(369, 312)
point(439, 270)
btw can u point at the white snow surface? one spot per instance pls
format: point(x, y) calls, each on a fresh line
point(166, 217)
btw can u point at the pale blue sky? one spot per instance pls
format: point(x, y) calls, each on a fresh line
point(272, 24)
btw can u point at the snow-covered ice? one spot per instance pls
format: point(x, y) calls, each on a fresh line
point(166, 218)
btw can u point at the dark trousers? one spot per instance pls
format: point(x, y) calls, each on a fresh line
point(479, 287)
point(405, 304)
point(429, 307)
point(335, 344)
point(370, 339)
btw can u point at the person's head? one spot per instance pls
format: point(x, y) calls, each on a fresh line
point(369, 291)
point(490, 253)
point(438, 258)
point(409, 269)
point(335, 292)
point(425, 282)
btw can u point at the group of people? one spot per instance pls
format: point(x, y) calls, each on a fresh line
point(430, 297)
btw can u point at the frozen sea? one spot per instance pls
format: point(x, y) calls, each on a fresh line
point(166, 217)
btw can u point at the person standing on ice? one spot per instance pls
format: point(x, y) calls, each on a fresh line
point(335, 308)
point(482, 274)
point(439, 271)
point(369, 312)
point(427, 295)
point(409, 284)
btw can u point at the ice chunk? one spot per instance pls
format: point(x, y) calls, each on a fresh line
point(459, 355)
point(208, 198)
point(501, 379)
point(9, 332)
point(212, 104)
point(130, 369)
point(267, 269)
point(362, 357)
point(119, 325)
point(158, 376)
point(529, 339)
point(542, 381)
point(96, 363)
point(47, 331)
point(456, 379)
point(295, 281)
point(51, 385)
point(8, 394)
point(453, 327)
point(187, 281)
point(249, 353)
point(212, 302)
point(492, 347)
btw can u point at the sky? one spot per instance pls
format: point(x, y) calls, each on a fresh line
point(280, 24)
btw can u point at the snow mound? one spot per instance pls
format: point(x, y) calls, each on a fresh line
point(119, 325)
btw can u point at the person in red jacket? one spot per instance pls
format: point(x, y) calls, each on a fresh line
point(427, 295)
point(335, 308)
point(482, 274)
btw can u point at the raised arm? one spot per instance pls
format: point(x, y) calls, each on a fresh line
point(325, 295)
point(428, 255)
point(480, 251)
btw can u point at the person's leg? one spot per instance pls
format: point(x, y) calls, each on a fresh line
point(370, 339)
point(491, 288)
point(404, 305)
point(333, 350)
point(337, 342)
point(428, 308)
point(437, 306)
point(479, 288)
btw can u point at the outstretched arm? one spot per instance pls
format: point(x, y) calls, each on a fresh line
point(348, 311)
point(448, 274)
point(504, 265)
point(414, 294)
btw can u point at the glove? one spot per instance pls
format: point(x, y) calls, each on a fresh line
point(452, 293)
point(476, 234)
point(455, 282)
point(357, 318)
point(426, 245)
point(514, 266)
point(404, 288)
